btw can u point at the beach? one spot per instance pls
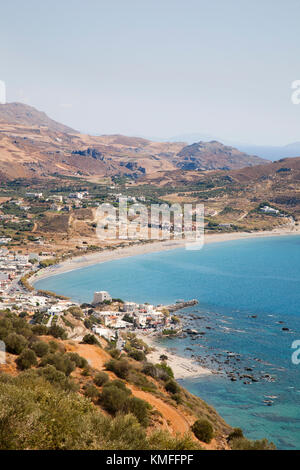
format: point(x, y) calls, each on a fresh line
point(182, 367)
point(143, 248)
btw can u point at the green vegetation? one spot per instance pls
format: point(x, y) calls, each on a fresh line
point(90, 339)
point(60, 361)
point(137, 355)
point(120, 367)
point(238, 441)
point(101, 378)
point(26, 359)
point(48, 262)
point(40, 348)
point(203, 430)
point(36, 414)
point(116, 397)
point(172, 387)
point(15, 343)
point(169, 332)
point(91, 391)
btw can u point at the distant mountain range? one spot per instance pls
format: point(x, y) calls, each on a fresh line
point(33, 145)
point(270, 152)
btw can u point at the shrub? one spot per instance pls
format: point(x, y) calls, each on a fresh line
point(119, 384)
point(203, 430)
point(56, 377)
point(90, 339)
point(150, 369)
point(91, 391)
point(80, 362)
point(76, 312)
point(235, 434)
point(54, 346)
point(26, 359)
point(137, 355)
point(101, 379)
point(115, 353)
point(121, 368)
point(15, 343)
point(40, 348)
point(59, 361)
point(166, 369)
point(86, 372)
point(113, 399)
point(178, 398)
point(163, 357)
point(57, 332)
point(172, 387)
point(40, 330)
point(246, 444)
point(139, 408)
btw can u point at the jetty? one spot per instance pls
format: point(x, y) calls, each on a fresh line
point(181, 304)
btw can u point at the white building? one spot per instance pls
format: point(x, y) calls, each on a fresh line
point(130, 307)
point(76, 195)
point(269, 210)
point(34, 195)
point(100, 297)
point(104, 333)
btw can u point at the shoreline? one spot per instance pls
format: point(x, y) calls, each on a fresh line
point(91, 259)
point(182, 367)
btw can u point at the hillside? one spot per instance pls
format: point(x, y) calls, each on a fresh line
point(57, 393)
point(33, 145)
point(27, 116)
point(214, 155)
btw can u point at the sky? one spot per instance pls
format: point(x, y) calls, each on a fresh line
point(157, 68)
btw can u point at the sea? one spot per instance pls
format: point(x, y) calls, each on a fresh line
point(248, 320)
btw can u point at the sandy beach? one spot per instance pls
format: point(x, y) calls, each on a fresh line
point(140, 249)
point(183, 367)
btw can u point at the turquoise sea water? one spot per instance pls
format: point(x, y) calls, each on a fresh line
point(248, 290)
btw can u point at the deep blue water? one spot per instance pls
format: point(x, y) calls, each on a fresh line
point(234, 282)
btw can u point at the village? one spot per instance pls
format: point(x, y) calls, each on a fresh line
point(106, 315)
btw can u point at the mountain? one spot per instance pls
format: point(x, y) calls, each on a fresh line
point(269, 152)
point(24, 115)
point(33, 145)
point(214, 155)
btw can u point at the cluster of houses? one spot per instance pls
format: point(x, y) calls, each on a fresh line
point(12, 266)
point(31, 304)
point(130, 316)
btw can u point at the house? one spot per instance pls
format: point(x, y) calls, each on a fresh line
point(34, 195)
point(76, 195)
point(100, 297)
point(104, 332)
point(129, 307)
point(4, 240)
point(269, 210)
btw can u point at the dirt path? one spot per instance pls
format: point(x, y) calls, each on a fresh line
point(174, 420)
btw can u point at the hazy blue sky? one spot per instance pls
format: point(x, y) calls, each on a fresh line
point(157, 67)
